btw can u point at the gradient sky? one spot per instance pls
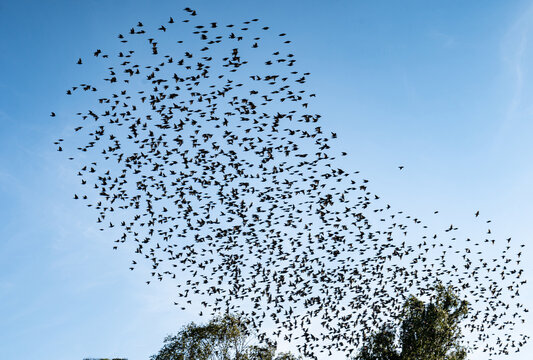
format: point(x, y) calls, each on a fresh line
point(442, 88)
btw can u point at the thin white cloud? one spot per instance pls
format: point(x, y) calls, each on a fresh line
point(443, 39)
point(515, 46)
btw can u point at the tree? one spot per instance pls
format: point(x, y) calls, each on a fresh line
point(427, 331)
point(380, 346)
point(225, 337)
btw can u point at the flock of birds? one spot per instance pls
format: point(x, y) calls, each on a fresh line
point(205, 163)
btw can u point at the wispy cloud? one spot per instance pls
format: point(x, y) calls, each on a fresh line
point(515, 46)
point(443, 39)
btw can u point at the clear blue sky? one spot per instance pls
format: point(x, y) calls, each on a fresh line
point(443, 88)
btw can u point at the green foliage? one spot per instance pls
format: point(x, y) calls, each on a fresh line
point(223, 338)
point(286, 356)
point(427, 331)
point(380, 346)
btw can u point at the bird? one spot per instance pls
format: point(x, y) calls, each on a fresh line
point(223, 181)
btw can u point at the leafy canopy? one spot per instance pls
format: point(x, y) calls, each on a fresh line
point(427, 331)
point(225, 337)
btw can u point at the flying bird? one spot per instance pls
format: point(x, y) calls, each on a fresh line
point(206, 159)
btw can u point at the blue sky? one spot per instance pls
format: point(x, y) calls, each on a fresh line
point(442, 88)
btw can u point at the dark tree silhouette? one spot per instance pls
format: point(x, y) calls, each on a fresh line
point(428, 331)
point(226, 337)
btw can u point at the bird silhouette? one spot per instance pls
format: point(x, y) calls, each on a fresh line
point(204, 158)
